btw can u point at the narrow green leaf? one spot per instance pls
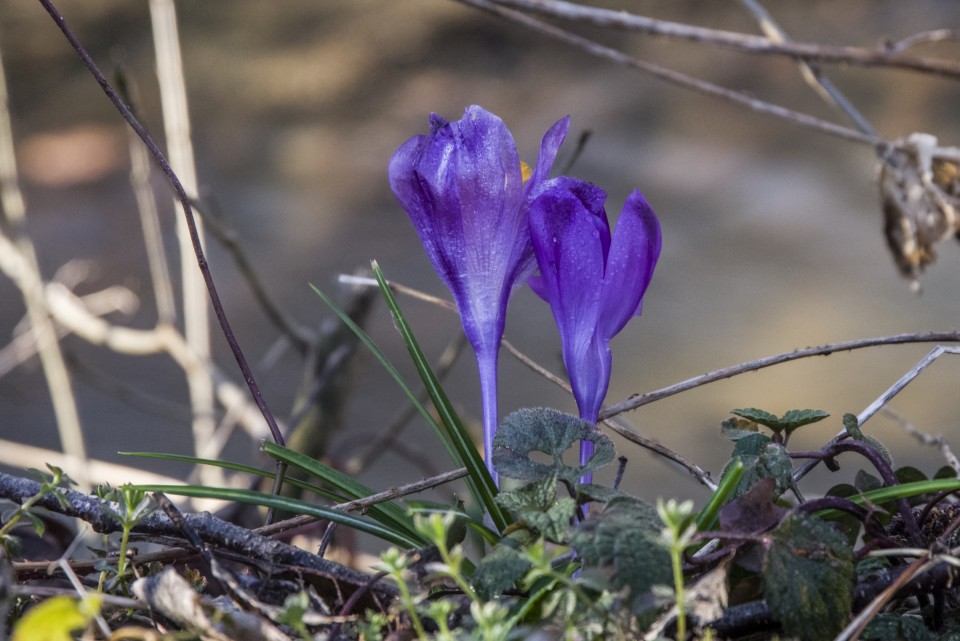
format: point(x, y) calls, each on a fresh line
point(479, 480)
point(896, 492)
point(732, 474)
point(245, 469)
point(394, 373)
point(249, 497)
point(387, 512)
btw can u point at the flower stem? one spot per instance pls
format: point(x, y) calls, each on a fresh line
point(487, 364)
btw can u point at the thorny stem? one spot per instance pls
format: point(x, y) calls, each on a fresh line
point(187, 211)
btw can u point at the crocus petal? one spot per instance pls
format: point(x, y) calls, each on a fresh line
point(549, 147)
point(633, 256)
point(569, 232)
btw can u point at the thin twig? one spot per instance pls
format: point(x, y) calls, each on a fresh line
point(184, 199)
point(621, 427)
point(677, 78)
point(927, 439)
point(639, 400)
point(886, 397)
point(300, 336)
point(748, 43)
point(810, 71)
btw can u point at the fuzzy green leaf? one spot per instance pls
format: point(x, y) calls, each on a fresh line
point(793, 419)
point(762, 458)
point(759, 416)
point(895, 627)
point(551, 432)
point(737, 428)
point(625, 537)
point(537, 505)
point(808, 577)
point(499, 571)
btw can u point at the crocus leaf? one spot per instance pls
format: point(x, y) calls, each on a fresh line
point(624, 538)
point(551, 432)
point(498, 571)
point(808, 577)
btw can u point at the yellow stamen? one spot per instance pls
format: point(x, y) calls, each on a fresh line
point(525, 171)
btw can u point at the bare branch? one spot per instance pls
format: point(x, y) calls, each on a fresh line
point(677, 78)
point(748, 43)
point(639, 400)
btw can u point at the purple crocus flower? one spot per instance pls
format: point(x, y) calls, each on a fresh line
point(594, 283)
point(463, 187)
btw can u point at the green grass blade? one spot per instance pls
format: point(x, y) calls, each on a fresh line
point(389, 513)
point(725, 489)
point(896, 492)
point(245, 469)
point(479, 480)
point(290, 505)
point(394, 373)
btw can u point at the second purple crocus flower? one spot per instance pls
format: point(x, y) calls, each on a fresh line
point(594, 282)
point(462, 186)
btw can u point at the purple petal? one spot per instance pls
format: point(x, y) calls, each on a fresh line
point(568, 239)
point(549, 147)
point(633, 256)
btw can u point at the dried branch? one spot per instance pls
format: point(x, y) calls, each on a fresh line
point(639, 400)
point(337, 579)
point(747, 43)
point(677, 78)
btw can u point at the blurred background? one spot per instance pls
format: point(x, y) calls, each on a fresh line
point(772, 233)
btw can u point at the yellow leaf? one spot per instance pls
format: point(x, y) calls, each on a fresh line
point(56, 618)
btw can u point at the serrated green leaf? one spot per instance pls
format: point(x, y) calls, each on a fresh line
point(793, 419)
point(55, 618)
point(808, 577)
point(598, 493)
point(537, 505)
point(498, 571)
point(624, 537)
point(762, 458)
point(737, 428)
point(546, 430)
point(759, 416)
